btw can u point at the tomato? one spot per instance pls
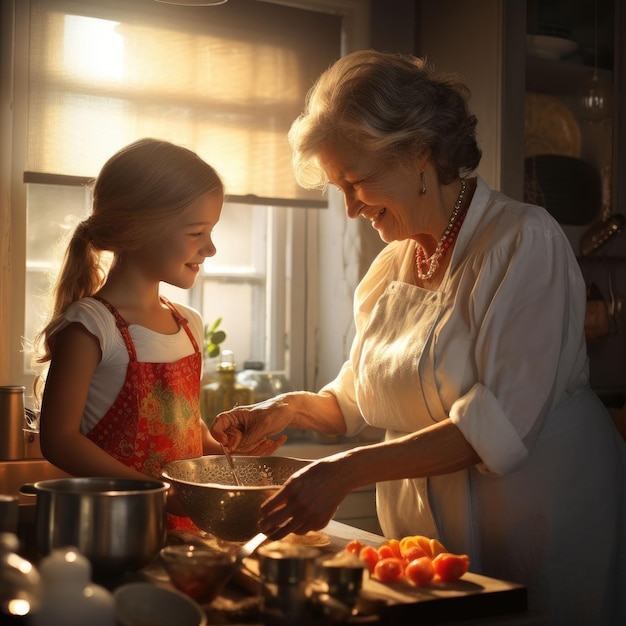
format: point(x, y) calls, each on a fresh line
point(394, 545)
point(389, 569)
point(450, 567)
point(385, 551)
point(370, 556)
point(354, 547)
point(420, 571)
point(412, 553)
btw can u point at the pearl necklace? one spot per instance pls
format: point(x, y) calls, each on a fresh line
point(426, 267)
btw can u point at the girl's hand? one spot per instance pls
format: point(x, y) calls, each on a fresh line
point(246, 429)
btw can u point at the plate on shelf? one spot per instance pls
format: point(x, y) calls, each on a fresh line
point(549, 47)
point(550, 127)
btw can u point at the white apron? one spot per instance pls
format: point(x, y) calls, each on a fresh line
point(501, 522)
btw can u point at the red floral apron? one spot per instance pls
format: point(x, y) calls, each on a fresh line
point(155, 418)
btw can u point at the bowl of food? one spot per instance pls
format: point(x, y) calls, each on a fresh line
point(199, 572)
point(215, 503)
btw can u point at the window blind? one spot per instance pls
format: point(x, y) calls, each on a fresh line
point(225, 81)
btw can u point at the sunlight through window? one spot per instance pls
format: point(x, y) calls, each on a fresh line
point(92, 48)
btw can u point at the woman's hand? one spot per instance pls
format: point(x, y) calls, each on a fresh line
point(307, 501)
point(247, 429)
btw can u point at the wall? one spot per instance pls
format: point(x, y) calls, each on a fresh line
point(347, 247)
point(468, 38)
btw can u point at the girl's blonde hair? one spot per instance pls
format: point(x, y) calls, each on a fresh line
point(390, 106)
point(140, 193)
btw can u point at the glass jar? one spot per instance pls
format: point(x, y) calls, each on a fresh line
point(225, 393)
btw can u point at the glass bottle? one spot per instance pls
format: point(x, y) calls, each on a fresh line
point(225, 393)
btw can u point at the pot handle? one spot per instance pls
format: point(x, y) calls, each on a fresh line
point(28, 489)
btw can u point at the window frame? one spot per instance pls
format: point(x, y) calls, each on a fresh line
point(304, 315)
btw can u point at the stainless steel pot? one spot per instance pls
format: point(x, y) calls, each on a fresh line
point(118, 524)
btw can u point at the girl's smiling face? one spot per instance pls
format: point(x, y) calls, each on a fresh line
point(390, 198)
point(177, 258)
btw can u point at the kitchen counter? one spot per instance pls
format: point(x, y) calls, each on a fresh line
point(471, 601)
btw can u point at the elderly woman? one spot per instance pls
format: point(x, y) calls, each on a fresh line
point(469, 351)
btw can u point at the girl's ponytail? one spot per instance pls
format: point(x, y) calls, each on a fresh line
point(82, 273)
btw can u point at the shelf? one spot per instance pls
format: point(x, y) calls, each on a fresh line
point(564, 78)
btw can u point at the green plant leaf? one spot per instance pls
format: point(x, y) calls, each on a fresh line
point(218, 336)
point(213, 350)
point(215, 325)
point(213, 337)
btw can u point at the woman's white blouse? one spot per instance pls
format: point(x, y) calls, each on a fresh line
point(500, 350)
point(495, 349)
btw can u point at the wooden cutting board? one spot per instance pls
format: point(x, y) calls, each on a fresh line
point(473, 596)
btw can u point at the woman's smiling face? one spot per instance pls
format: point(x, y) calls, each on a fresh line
point(388, 197)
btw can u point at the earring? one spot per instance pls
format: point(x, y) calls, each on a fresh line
point(423, 179)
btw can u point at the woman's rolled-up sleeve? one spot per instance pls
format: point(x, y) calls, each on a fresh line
point(526, 306)
point(484, 424)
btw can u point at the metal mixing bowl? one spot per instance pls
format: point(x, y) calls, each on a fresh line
point(205, 486)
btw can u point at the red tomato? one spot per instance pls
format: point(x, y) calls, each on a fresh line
point(389, 569)
point(385, 551)
point(394, 545)
point(370, 556)
point(354, 547)
point(449, 567)
point(420, 571)
point(412, 552)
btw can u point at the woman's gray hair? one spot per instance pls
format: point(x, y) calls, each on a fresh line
point(392, 107)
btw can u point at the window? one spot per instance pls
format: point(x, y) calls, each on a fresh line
point(247, 283)
point(225, 81)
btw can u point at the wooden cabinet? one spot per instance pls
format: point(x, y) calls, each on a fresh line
point(485, 41)
point(572, 107)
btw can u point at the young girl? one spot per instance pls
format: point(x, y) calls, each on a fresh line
point(122, 391)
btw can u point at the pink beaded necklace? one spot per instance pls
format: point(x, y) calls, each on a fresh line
point(426, 267)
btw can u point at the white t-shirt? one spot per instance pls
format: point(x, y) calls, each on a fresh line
point(151, 347)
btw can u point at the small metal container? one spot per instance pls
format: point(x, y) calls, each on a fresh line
point(9, 513)
point(32, 447)
point(11, 423)
point(342, 576)
point(287, 571)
